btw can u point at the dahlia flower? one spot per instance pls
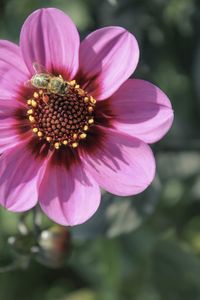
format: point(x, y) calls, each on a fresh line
point(81, 124)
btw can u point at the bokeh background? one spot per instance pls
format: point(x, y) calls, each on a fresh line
point(145, 247)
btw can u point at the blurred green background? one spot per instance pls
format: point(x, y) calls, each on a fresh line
point(145, 247)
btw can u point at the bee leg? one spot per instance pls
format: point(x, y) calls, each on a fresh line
point(66, 88)
point(45, 99)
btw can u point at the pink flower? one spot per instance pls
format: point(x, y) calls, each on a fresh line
point(62, 147)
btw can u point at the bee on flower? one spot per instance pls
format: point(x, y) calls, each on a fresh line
point(48, 82)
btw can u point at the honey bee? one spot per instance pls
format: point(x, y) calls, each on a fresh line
point(46, 81)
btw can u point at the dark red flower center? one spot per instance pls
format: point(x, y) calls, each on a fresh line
point(61, 119)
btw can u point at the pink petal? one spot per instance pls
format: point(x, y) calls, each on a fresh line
point(11, 129)
point(9, 103)
point(142, 110)
point(8, 136)
point(8, 142)
point(69, 197)
point(122, 165)
point(108, 57)
point(9, 133)
point(20, 175)
point(49, 37)
point(8, 107)
point(13, 71)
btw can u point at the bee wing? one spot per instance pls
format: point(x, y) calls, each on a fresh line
point(28, 84)
point(38, 68)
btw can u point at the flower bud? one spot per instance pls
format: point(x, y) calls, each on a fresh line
point(54, 244)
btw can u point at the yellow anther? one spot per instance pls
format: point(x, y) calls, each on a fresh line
point(35, 130)
point(33, 103)
point(86, 99)
point(30, 112)
point(40, 134)
point(75, 136)
point(29, 102)
point(83, 135)
point(90, 109)
point(74, 145)
point(77, 86)
point(73, 82)
point(57, 145)
point(40, 92)
point(92, 100)
point(36, 95)
point(85, 128)
point(65, 142)
point(81, 92)
point(31, 119)
point(48, 138)
point(91, 121)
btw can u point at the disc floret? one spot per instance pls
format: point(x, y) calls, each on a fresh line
point(61, 119)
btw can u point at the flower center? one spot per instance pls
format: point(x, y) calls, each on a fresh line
point(61, 119)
